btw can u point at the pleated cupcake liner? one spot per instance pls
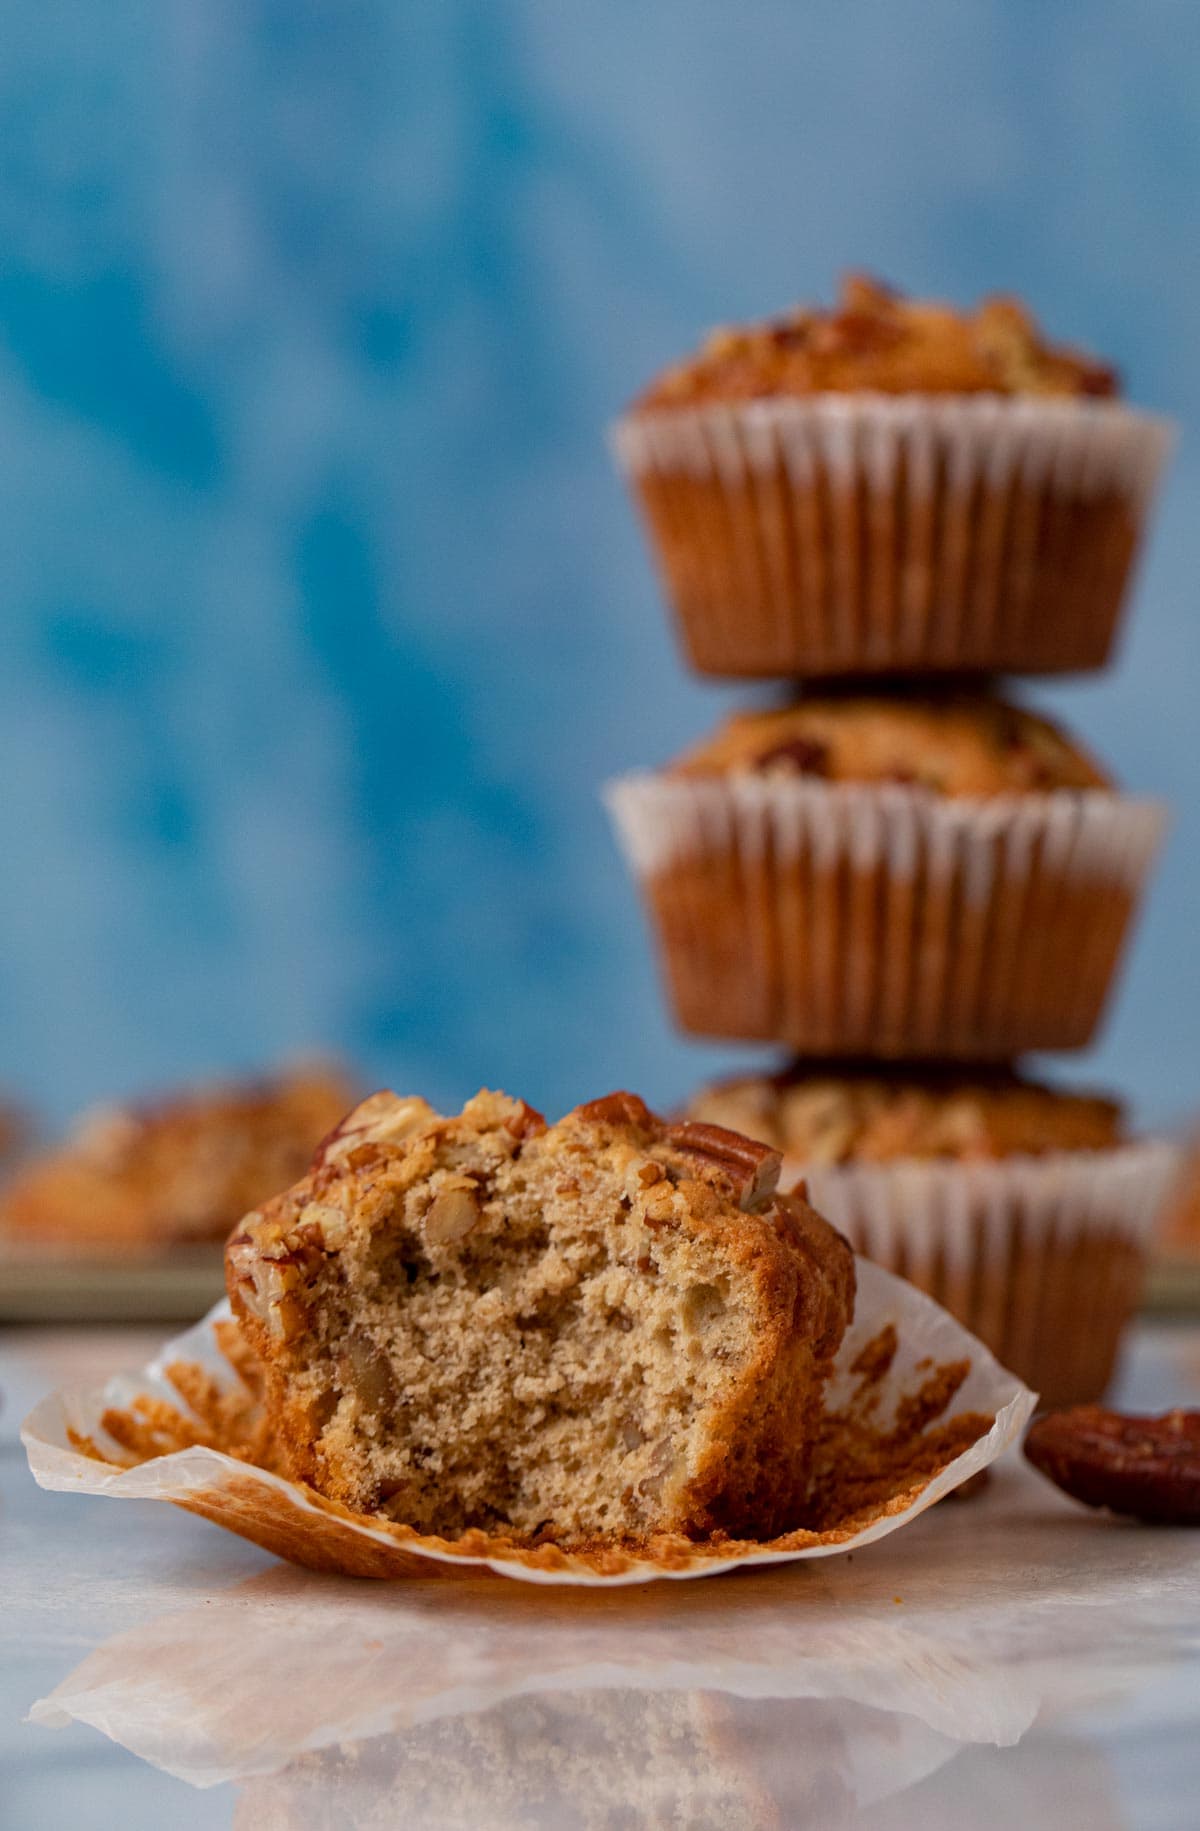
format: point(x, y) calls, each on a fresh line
point(1040, 1256)
point(160, 1434)
point(848, 534)
point(882, 920)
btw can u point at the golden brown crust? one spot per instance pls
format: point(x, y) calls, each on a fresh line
point(185, 1169)
point(707, 1190)
point(823, 1116)
point(954, 745)
point(874, 340)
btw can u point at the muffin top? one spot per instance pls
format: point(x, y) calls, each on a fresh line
point(949, 746)
point(875, 340)
point(865, 1115)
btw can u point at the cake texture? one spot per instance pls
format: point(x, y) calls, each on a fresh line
point(603, 1328)
point(183, 1170)
point(862, 875)
point(1024, 1210)
point(892, 486)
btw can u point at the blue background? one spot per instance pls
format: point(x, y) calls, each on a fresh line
point(324, 615)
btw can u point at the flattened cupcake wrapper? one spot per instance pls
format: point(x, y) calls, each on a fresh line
point(862, 919)
point(1040, 1256)
point(79, 1443)
point(863, 534)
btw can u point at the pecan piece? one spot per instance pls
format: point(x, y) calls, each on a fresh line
point(453, 1212)
point(1146, 1467)
point(750, 1168)
point(381, 1119)
point(808, 756)
point(525, 1121)
point(619, 1109)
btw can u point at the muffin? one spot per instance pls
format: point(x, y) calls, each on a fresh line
point(182, 1171)
point(604, 1328)
point(892, 486)
point(1022, 1209)
point(856, 875)
point(1179, 1233)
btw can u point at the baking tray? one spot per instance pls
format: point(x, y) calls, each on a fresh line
point(171, 1287)
point(1173, 1287)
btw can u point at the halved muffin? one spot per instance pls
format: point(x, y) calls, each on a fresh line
point(607, 1327)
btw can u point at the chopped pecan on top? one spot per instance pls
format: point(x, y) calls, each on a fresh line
point(379, 1120)
point(619, 1109)
point(525, 1121)
point(808, 756)
point(751, 1168)
point(1148, 1468)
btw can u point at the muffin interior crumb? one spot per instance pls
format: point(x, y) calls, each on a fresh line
point(585, 1418)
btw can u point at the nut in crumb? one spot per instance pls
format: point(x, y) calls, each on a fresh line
point(452, 1213)
point(330, 1225)
point(286, 1319)
point(658, 1204)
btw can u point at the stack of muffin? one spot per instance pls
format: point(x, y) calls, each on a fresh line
point(904, 878)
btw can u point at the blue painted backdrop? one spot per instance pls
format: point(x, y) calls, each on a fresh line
point(323, 614)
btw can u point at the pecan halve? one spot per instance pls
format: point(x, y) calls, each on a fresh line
point(751, 1169)
point(1146, 1467)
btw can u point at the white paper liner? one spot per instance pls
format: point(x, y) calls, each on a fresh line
point(864, 918)
point(1090, 833)
point(852, 533)
point(1041, 1256)
point(925, 1332)
point(922, 1204)
point(1082, 448)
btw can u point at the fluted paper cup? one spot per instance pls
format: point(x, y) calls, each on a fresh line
point(883, 920)
point(1040, 1256)
point(914, 1407)
point(849, 534)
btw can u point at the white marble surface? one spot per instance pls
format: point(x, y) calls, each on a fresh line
point(1006, 1661)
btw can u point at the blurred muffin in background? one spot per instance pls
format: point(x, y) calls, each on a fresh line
point(853, 874)
point(177, 1171)
point(822, 1114)
point(892, 486)
point(1179, 1234)
point(1023, 1209)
